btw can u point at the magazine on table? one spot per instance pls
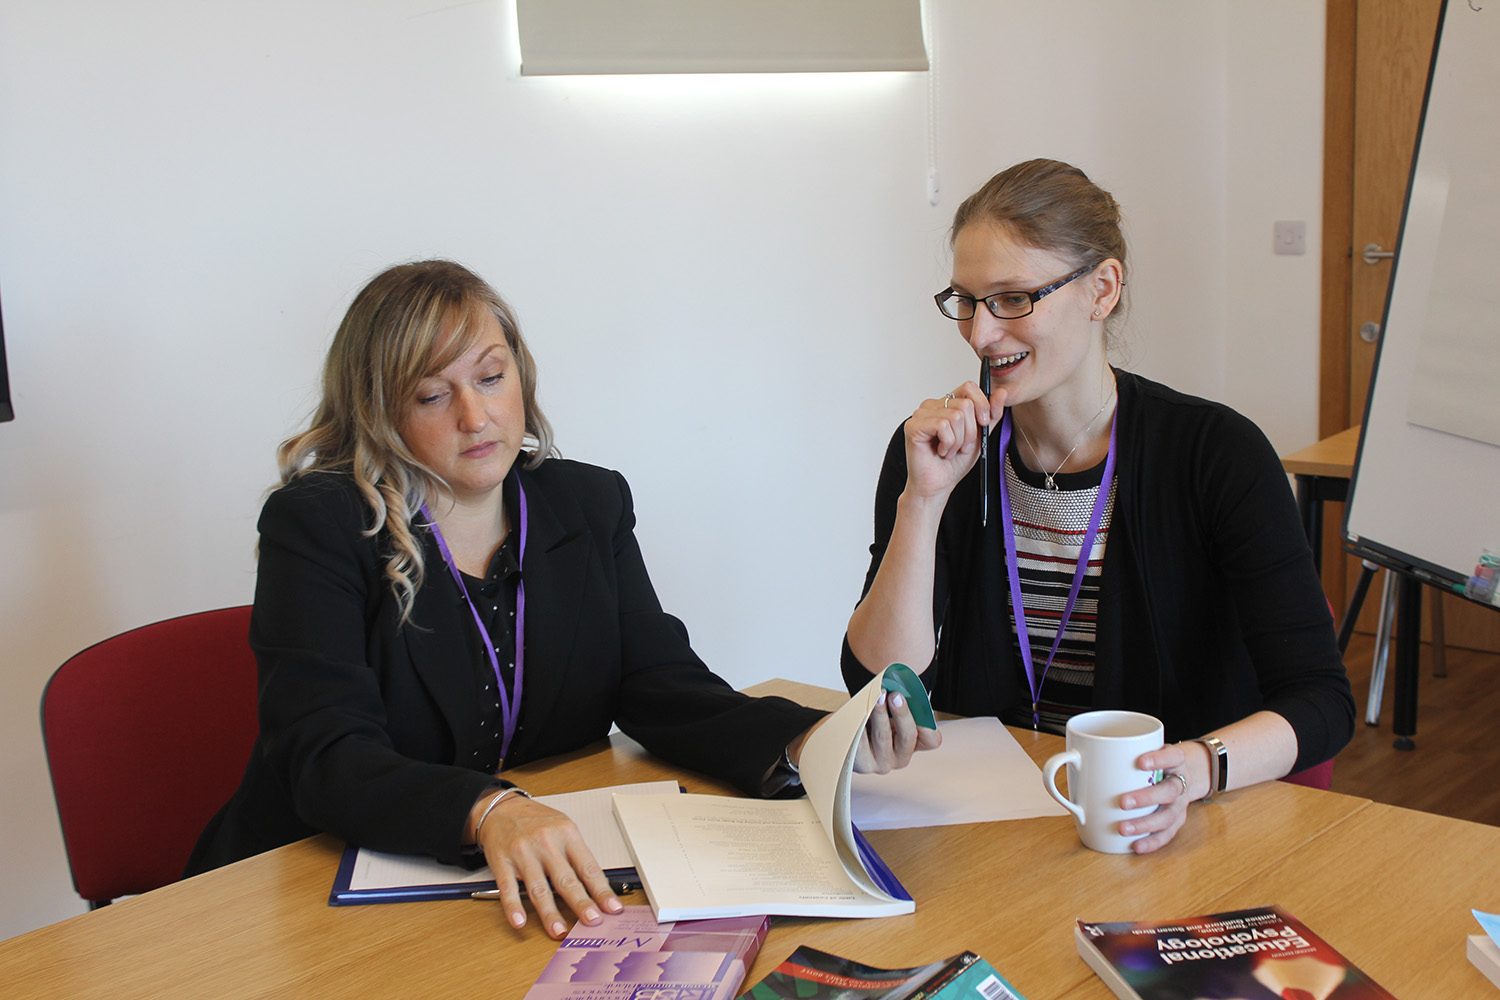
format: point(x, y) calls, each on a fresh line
point(629, 956)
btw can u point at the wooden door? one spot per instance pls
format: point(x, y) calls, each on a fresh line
point(1378, 53)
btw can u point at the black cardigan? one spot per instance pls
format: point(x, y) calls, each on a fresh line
point(1209, 607)
point(367, 724)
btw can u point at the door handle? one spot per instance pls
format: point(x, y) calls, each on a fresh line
point(1373, 254)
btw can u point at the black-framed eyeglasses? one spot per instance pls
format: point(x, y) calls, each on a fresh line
point(1002, 305)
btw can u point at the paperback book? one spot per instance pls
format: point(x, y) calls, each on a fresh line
point(702, 856)
point(808, 973)
point(1256, 954)
point(1482, 951)
point(629, 956)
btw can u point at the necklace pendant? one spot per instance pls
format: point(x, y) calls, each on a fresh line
point(1051, 484)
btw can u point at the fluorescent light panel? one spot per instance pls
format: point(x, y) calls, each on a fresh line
point(586, 37)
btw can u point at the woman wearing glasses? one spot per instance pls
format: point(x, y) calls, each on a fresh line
point(440, 598)
point(1073, 536)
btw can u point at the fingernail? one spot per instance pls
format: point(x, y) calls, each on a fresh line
point(1127, 803)
point(881, 699)
point(559, 928)
point(518, 919)
point(614, 905)
point(1127, 828)
point(590, 915)
point(896, 701)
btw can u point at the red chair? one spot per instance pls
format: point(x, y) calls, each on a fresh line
point(1317, 776)
point(147, 735)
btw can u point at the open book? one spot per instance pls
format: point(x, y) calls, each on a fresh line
point(703, 856)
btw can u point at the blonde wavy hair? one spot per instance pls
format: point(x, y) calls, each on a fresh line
point(409, 323)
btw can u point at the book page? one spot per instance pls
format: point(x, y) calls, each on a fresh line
point(828, 768)
point(378, 870)
point(713, 855)
point(589, 810)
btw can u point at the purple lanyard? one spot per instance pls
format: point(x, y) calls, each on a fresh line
point(510, 701)
point(1009, 528)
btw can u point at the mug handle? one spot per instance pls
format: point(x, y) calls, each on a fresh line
point(1049, 779)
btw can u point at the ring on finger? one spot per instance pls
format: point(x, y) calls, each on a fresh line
point(946, 398)
point(1182, 778)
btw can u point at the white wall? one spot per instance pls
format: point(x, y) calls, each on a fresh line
point(726, 282)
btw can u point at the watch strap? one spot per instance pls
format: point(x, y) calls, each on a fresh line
point(1218, 766)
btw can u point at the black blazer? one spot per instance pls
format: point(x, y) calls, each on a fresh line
point(366, 723)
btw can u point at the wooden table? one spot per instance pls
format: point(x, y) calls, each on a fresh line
point(1322, 474)
point(1388, 887)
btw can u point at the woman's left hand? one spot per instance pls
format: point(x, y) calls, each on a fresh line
point(892, 737)
point(1169, 796)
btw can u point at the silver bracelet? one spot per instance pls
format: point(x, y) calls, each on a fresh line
point(786, 760)
point(495, 802)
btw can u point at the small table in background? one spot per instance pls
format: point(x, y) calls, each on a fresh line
point(1322, 473)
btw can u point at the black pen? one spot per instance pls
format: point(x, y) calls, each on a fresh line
point(984, 449)
point(622, 887)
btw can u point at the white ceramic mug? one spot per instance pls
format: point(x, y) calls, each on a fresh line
point(1101, 756)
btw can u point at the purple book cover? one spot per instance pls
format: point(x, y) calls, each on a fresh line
point(629, 956)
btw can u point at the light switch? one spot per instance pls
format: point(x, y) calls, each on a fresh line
point(1291, 237)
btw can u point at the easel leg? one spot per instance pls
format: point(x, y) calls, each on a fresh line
point(1351, 616)
point(1382, 643)
point(1439, 641)
point(1408, 656)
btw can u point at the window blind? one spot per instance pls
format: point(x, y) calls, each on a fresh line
point(565, 37)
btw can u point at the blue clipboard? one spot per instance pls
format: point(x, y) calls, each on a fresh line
point(620, 879)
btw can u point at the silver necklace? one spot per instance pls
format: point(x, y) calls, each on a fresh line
point(1051, 477)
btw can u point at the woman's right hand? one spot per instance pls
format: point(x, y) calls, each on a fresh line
point(527, 844)
point(943, 438)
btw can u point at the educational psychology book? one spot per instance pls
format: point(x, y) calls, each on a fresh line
point(1256, 954)
point(702, 856)
point(629, 956)
point(809, 974)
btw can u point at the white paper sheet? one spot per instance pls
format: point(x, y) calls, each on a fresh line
point(979, 774)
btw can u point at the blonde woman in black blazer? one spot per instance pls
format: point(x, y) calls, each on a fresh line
point(423, 511)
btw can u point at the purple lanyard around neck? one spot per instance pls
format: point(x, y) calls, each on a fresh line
point(1008, 527)
point(510, 701)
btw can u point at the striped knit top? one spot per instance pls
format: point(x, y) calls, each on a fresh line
point(1049, 529)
